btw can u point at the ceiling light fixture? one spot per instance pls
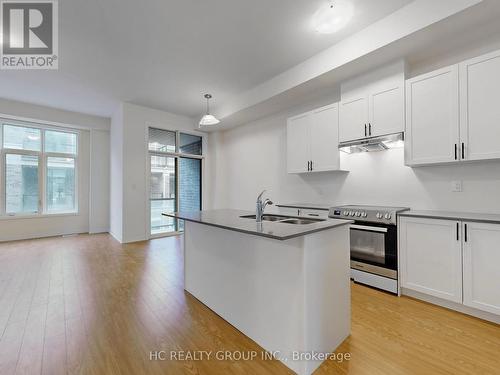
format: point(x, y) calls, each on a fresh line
point(333, 16)
point(208, 119)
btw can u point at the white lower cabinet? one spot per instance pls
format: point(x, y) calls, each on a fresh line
point(481, 266)
point(457, 261)
point(431, 257)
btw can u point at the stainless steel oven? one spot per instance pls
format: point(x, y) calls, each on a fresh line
point(374, 249)
point(374, 244)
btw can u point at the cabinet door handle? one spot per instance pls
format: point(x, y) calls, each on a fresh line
point(369, 129)
point(463, 150)
point(456, 153)
point(458, 229)
point(366, 130)
point(311, 165)
point(308, 166)
point(465, 226)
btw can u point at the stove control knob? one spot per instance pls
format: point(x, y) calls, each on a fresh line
point(353, 213)
point(378, 215)
point(363, 214)
point(388, 216)
point(358, 214)
point(345, 213)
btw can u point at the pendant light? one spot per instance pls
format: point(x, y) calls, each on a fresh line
point(208, 119)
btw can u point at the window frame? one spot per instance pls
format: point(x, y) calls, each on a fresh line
point(42, 170)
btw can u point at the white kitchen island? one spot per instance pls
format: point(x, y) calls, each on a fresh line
point(285, 286)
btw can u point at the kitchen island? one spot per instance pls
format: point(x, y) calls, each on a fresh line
point(286, 286)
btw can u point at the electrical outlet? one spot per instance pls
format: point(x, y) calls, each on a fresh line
point(456, 186)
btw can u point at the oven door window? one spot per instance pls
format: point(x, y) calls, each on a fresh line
point(368, 246)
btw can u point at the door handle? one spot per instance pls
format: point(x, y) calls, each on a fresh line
point(308, 166)
point(465, 237)
point(365, 130)
point(456, 152)
point(458, 229)
point(369, 228)
point(311, 165)
point(369, 129)
point(463, 151)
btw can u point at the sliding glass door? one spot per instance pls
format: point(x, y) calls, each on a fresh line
point(189, 185)
point(163, 187)
point(175, 178)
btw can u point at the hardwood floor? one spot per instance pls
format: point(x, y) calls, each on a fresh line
point(88, 305)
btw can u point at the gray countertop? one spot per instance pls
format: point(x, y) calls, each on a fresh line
point(450, 215)
point(307, 206)
point(231, 220)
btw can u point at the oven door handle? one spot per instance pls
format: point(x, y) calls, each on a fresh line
point(371, 229)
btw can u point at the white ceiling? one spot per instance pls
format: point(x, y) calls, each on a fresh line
point(166, 54)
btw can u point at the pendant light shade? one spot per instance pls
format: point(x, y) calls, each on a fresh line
point(208, 119)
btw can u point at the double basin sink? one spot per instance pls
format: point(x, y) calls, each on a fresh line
point(284, 219)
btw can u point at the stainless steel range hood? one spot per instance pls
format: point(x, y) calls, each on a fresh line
point(381, 143)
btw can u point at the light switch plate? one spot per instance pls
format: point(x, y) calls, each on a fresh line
point(456, 186)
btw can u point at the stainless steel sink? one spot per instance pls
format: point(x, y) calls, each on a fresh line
point(284, 219)
point(267, 217)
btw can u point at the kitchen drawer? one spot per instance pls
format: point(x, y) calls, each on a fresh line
point(318, 214)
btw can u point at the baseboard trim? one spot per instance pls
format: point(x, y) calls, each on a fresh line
point(119, 239)
point(452, 306)
point(99, 230)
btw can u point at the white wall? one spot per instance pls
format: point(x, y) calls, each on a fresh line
point(14, 228)
point(253, 157)
point(116, 175)
point(99, 181)
point(129, 167)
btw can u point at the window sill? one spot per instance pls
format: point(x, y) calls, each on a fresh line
point(43, 216)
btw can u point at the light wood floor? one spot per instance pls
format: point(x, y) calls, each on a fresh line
point(88, 305)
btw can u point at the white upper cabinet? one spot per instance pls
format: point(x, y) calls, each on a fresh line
point(386, 106)
point(373, 104)
point(431, 257)
point(312, 141)
point(297, 135)
point(480, 109)
point(432, 117)
point(453, 113)
point(354, 118)
point(324, 135)
point(481, 260)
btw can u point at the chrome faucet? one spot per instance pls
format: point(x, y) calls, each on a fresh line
point(261, 205)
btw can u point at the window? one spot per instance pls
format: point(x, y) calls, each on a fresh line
point(21, 138)
point(162, 140)
point(190, 144)
point(21, 183)
point(60, 142)
point(60, 184)
point(175, 177)
point(38, 169)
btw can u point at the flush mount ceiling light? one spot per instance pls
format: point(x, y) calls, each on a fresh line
point(208, 119)
point(333, 16)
